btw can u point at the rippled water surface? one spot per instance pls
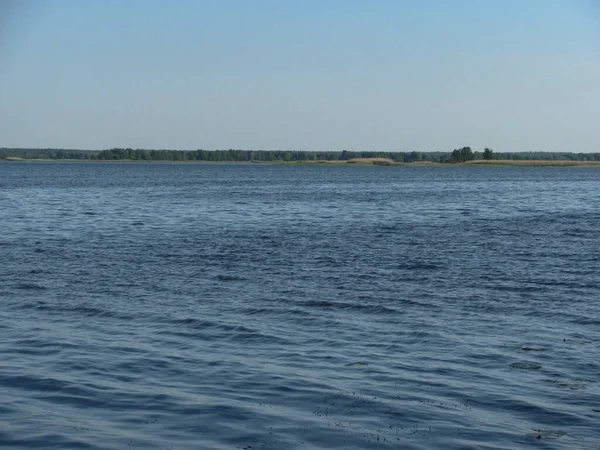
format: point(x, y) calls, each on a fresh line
point(191, 306)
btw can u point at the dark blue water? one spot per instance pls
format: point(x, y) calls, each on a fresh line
point(192, 306)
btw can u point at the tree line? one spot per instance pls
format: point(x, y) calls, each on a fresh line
point(459, 155)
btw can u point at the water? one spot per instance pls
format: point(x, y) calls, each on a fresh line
point(186, 306)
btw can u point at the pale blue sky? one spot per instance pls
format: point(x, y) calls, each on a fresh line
point(515, 75)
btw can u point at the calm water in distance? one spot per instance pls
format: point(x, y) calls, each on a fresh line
point(238, 306)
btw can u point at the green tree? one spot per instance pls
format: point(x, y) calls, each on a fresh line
point(467, 154)
point(462, 155)
point(488, 153)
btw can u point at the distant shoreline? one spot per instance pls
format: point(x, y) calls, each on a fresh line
point(464, 155)
point(351, 162)
point(479, 162)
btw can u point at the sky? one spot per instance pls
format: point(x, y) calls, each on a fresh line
point(390, 75)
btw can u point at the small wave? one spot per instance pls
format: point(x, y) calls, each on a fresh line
point(257, 337)
point(420, 266)
point(97, 312)
point(388, 228)
point(573, 384)
point(201, 324)
point(234, 332)
point(31, 286)
point(526, 366)
point(521, 289)
point(375, 309)
point(259, 311)
point(29, 382)
point(230, 278)
point(89, 311)
point(577, 341)
point(547, 434)
point(318, 304)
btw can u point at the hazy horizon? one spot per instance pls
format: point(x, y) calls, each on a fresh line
point(282, 75)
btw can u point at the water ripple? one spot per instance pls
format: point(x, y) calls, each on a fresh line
point(184, 306)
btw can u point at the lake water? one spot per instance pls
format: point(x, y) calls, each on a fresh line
point(247, 306)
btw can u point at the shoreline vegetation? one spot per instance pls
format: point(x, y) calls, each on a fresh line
point(462, 156)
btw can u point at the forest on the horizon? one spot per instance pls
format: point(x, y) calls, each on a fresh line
point(456, 156)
